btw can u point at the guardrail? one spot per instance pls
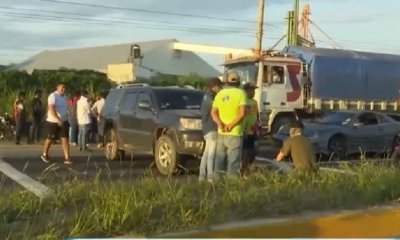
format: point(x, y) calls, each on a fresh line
point(378, 222)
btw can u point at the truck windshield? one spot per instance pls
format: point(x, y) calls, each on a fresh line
point(246, 71)
point(337, 118)
point(178, 99)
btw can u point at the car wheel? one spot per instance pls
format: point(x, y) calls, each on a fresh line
point(396, 141)
point(111, 149)
point(337, 147)
point(166, 157)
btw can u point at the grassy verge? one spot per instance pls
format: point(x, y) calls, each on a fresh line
point(154, 205)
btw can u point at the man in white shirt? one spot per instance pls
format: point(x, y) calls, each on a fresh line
point(57, 123)
point(96, 109)
point(83, 113)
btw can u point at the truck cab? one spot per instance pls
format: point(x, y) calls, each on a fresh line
point(281, 87)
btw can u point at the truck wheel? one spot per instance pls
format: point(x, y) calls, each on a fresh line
point(337, 147)
point(166, 157)
point(279, 122)
point(111, 149)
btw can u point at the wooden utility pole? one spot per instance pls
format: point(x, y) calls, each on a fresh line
point(260, 22)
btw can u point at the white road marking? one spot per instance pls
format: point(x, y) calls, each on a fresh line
point(40, 190)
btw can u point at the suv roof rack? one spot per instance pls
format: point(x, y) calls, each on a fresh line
point(125, 85)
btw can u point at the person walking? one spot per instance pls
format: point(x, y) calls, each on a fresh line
point(73, 119)
point(19, 117)
point(96, 109)
point(84, 120)
point(210, 128)
point(252, 125)
point(57, 123)
point(300, 149)
point(37, 117)
point(228, 112)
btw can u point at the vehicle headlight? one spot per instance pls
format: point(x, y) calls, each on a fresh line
point(191, 123)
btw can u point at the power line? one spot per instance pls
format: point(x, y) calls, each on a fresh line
point(136, 20)
point(198, 28)
point(120, 24)
point(159, 12)
point(325, 34)
point(114, 22)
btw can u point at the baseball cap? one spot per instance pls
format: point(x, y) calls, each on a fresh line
point(249, 85)
point(233, 77)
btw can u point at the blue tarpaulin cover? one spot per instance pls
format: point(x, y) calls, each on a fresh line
point(351, 75)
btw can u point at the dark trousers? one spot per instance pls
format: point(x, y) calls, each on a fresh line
point(19, 128)
point(249, 153)
point(35, 130)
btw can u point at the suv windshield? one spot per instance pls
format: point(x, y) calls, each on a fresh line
point(178, 98)
point(337, 118)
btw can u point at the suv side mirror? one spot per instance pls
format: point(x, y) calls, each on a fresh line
point(145, 105)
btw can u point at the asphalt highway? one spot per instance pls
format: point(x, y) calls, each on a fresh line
point(86, 165)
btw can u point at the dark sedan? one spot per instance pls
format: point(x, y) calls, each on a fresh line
point(346, 132)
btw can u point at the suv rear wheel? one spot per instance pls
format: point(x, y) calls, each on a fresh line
point(111, 149)
point(166, 156)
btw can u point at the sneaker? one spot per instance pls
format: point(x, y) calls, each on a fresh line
point(45, 158)
point(67, 161)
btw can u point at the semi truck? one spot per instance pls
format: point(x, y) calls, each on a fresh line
point(300, 82)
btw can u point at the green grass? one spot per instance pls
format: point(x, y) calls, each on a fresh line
point(151, 205)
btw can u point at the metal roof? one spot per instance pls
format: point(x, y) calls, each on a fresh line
point(158, 57)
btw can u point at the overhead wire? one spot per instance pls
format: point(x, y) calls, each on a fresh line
point(161, 24)
point(81, 21)
point(158, 12)
point(136, 20)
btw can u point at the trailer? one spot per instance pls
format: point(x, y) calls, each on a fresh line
point(300, 81)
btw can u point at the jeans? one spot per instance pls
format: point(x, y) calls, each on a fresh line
point(73, 132)
point(35, 130)
point(83, 135)
point(228, 155)
point(208, 158)
point(19, 128)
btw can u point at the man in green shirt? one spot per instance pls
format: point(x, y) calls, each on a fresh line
point(228, 112)
point(252, 126)
point(300, 149)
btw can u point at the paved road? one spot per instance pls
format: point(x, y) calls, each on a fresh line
point(25, 158)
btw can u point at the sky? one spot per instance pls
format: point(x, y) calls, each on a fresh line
point(28, 27)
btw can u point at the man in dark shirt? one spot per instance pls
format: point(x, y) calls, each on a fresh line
point(209, 130)
point(37, 116)
point(19, 116)
point(300, 149)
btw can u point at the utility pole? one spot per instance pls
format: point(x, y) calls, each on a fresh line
point(296, 21)
point(293, 25)
point(258, 52)
point(260, 22)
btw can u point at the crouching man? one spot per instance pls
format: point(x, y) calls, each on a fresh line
point(300, 149)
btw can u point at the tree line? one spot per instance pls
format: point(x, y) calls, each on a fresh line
point(12, 82)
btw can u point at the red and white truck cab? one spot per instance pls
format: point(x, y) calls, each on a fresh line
point(281, 87)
